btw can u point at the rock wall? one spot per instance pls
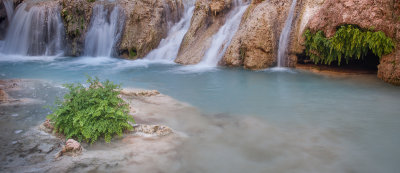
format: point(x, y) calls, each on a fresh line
point(147, 23)
point(76, 17)
point(383, 15)
point(255, 44)
point(208, 17)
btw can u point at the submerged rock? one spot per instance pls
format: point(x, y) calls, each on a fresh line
point(3, 96)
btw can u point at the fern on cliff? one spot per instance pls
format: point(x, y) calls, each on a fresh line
point(349, 42)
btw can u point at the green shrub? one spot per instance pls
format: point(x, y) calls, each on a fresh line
point(93, 112)
point(349, 42)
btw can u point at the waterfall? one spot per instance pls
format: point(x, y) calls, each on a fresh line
point(105, 31)
point(285, 36)
point(9, 5)
point(222, 39)
point(35, 30)
point(169, 47)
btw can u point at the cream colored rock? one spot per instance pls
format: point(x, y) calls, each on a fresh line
point(147, 22)
point(204, 24)
point(254, 45)
point(71, 148)
point(151, 130)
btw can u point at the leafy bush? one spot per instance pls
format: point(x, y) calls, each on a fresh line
point(349, 42)
point(93, 112)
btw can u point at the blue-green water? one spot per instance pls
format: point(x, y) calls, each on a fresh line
point(362, 110)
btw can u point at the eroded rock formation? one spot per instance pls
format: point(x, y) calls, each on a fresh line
point(255, 44)
point(376, 15)
point(76, 17)
point(147, 23)
point(208, 17)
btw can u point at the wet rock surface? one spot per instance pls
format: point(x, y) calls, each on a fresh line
point(208, 17)
point(147, 22)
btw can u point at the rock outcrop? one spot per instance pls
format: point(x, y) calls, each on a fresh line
point(147, 22)
point(377, 15)
point(76, 17)
point(255, 44)
point(208, 17)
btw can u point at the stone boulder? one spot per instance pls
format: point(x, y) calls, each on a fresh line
point(208, 17)
point(71, 148)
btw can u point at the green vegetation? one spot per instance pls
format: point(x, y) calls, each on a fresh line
point(349, 42)
point(132, 53)
point(93, 112)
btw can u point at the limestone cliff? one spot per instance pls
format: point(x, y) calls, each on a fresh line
point(76, 17)
point(146, 24)
point(377, 15)
point(208, 17)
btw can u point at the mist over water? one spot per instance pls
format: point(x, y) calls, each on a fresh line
point(268, 119)
point(273, 120)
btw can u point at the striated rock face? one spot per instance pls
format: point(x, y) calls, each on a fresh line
point(255, 44)
point(378, 15)
point(208, 17)
point(147, 22)
point(76, 17)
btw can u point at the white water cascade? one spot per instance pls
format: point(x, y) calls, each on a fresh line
point(222, 39)
point(169, 47)
point(9, 5)
point(105, 31)
point(285, 35)
point(34, 30)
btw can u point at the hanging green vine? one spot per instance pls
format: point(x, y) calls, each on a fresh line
point(349, 42)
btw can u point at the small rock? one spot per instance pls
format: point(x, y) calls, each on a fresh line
point(156, 130)
point(71, 148)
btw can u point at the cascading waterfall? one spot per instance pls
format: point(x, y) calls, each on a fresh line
point(285, 35)
point(9, 5)
point(35, 30)
point(169, 47)
point(222, 39)
point(105, 31)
